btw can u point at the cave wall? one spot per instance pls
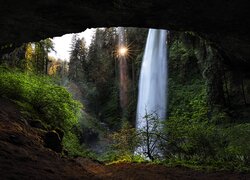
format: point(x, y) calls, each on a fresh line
point(222, 22)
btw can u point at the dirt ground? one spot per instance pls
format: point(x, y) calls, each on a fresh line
point(23, 156)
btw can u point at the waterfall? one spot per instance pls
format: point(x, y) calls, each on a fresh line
point(153, 79)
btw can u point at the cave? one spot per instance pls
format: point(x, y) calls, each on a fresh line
point(222, 24)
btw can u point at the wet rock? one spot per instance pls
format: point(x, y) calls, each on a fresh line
point(17, 140)
point(37, 124)
point(60, 133)
point(53, 141)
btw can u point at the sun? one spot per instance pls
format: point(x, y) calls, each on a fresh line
point(126, 51)
point(123, 51)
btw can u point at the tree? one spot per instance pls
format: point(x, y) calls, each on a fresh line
point(29, 57)
point(151, 136)
point(78, 56)
point(102, 82)
point(41, 59)
point(148, 141)
point(125, 140)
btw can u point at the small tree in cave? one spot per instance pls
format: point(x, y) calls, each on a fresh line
point(146, 141)
point(151, 136)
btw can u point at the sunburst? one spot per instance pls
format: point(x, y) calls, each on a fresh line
point(125, 51)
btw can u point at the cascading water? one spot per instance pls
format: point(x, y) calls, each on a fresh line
point(153, 82)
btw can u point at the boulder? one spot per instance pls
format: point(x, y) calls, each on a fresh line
point(53, 141)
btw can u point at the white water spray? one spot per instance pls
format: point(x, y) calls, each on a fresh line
point(153, 79)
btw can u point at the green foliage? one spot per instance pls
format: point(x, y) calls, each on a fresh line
point(211, 146)
point(145, 142)
point(97, 73)
point(197, 140)
point(77, 59)
point(183, 64)
point(238, 142)
point(197, 136)
point(125, 140)
point(39, 61)
point(72, 146)
point(187, 102)
point(31, 57)
point(93, 70)
point(122, 146)
point(151, 137)
point(41, 99)
point(126, 159)
point(110, 110)
point(52, 103)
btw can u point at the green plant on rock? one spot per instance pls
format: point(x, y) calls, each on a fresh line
point(52, 103)
point(74, 148)
point(41, 99)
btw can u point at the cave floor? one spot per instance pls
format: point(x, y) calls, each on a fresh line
point(23, 156)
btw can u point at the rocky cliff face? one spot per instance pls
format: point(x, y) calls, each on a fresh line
point(223, 22)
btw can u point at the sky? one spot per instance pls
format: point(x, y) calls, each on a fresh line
point(62, 44)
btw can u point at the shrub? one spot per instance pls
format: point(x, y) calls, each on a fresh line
point(40, 98)
point(50, 102)
point(125, 140)
point(72, 145)
point(199, 138)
